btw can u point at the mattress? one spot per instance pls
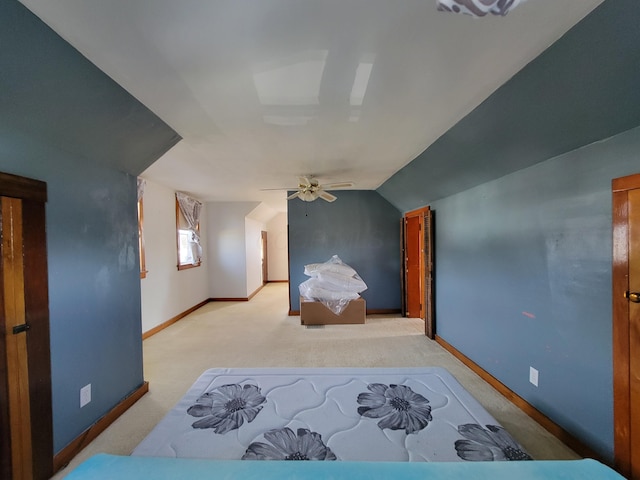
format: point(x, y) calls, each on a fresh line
point(347, 414)
point(109, 467)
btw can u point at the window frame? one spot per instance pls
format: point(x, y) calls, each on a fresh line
point(183, 266)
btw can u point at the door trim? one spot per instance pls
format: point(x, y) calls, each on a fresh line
point(33, 195)
point(621, 324)
point(23, 188)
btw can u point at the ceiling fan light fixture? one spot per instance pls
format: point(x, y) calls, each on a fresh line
point(307, 196)
point(478, 8)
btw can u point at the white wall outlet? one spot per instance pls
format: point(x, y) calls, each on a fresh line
point(533, 376)
point(85, 395)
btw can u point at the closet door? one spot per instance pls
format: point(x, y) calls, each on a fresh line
point(626, 324)
point(26, 436)
point(413, 260)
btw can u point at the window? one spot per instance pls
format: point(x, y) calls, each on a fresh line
point(143, 266)
point(188, 231)
point(185, 252)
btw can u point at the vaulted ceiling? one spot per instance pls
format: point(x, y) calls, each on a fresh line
point(262, 91)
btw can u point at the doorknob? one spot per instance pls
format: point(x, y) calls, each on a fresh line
point(632, 296)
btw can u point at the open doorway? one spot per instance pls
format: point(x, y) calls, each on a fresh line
point(264, 257)
point(417, 263)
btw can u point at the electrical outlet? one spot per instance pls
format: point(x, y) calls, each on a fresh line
point(533, 376)
point(85, 395)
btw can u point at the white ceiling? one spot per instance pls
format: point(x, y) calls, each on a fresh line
point(265, 90)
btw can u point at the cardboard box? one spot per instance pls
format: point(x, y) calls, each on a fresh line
point(315, 313)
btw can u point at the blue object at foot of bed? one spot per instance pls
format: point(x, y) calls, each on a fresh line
point(103, 467)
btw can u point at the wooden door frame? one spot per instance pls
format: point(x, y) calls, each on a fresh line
point(425, 216)
point(33, 195)
point(621, 323)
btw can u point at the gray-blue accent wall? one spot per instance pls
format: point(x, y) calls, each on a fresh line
point(582, 89)
point(523, 279)
point(65, 122)
point(521, 190)
point(362, 228)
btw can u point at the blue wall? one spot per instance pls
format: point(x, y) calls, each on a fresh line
point(94, 281)
point(362, 228)
point(64, 122)
point(523, 219)
point(50, 91)
point(523, 278)
point(581, 89)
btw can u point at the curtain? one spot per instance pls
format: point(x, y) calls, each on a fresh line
point(190, 209)
point(141, 184)
point(478, 8)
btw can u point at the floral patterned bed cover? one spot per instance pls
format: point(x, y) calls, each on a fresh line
point(330, 414)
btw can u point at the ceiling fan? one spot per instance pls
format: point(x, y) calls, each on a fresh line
point(309, 189)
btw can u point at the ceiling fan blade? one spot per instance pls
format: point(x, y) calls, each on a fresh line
point(293, 195)
point(304, 180)
point(330, 186)
point(326, 196)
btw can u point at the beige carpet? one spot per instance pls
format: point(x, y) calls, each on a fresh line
point(259, 333)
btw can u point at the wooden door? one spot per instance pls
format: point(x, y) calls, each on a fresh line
point(626, 324)
point(417, 263)
point(403, 268)
point(26, 436)
point(413, 280)
point(265, 263)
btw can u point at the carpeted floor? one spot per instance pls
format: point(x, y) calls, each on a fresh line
point(259, 333)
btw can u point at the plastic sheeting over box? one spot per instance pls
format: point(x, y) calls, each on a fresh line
point(332, 283)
